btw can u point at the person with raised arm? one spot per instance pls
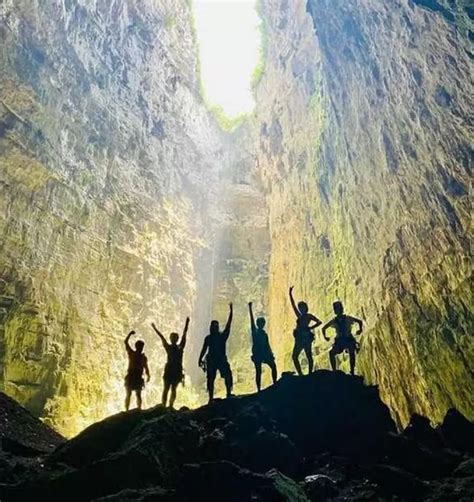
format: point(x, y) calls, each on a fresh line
point(344, 340)
point(214, 352)
point(261, 350)
point(303, 333)
point(137, 365)
point(173, 374)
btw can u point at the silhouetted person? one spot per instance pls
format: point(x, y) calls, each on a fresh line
point(216, 360)
point(342, 323)
point(137, 365)
point(303, 333)
point(261, 350)
point(173, 374)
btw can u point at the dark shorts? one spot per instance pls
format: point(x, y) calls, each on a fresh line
point(134, 381)
point(223, 367)
point(263, 359)
point(173, 375)
point(303, 340)
point(344, 343)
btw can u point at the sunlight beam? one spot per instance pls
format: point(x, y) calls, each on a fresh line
point(229, 41)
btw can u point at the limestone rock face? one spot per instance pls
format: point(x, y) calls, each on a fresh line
point(364, 147)
point(109, 165)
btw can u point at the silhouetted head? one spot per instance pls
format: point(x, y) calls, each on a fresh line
point(174, 337)
point(338, 308)
point(139, 346)
point(303, 307)
point(214, 328)
point(260, 322)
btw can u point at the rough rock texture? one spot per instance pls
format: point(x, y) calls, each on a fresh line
point(108, 161)
point(24, 441)
point(317, 438)
point(20, 429)
point(364, 148)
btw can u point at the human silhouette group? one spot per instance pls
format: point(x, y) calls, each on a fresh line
point(213, 355)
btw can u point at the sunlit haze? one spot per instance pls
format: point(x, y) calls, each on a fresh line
point(229, 41)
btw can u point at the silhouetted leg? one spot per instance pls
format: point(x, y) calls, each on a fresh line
point(273, 367)
point(211, 376)
point(296, 361)
point(166, 388)
point(309, 355)
point(352, 360)
point(173, 395)
point(258, 375)
point(229, 381)
point(332, 358)
point(128, 395)
point(139, 399)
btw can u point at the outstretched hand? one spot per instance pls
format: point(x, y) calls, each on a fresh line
point(250, 304)
point(231, 306)
point(132, 333)
point(291, 289)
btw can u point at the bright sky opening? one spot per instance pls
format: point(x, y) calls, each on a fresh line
point(229, 40)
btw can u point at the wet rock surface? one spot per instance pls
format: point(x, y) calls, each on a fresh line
point(322, 437)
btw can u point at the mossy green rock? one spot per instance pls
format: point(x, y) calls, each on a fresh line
point(365, 147)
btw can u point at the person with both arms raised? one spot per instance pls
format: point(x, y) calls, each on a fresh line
point(173, 374)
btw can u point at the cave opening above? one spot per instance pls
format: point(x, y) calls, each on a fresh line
point(229, 40)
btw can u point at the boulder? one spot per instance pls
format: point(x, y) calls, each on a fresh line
point(419, 429)
point(458, 432)
point(226, 481)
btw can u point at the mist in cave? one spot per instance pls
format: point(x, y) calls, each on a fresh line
point(160, 159)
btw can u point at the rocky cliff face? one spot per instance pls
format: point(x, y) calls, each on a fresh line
point(364, 146)
point(109, 169)
point(122, 202)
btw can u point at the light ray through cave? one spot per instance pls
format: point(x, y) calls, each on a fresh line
point(229, 40)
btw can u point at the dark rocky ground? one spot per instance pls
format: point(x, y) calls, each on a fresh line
point(323, 437)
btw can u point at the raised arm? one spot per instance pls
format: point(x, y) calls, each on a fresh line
point(229, 321)
point(127, 341)
point(158, 332)
point(326, 327)
point(205, 346)
point(182, 343)
point(293, 304)
point(316, 321)
point(252, 319)
point(359, 323)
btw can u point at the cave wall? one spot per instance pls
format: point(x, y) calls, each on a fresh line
point(365, 126)
point(108, 164)
point(123, 202)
